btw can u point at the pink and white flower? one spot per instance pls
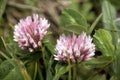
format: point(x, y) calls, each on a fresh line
point(74, 48)
point(30, 32)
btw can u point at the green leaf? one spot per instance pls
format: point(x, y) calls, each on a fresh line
point(101, 61)
point(22, 70)
point(60, 70)
point(71, 17)
point(10, 70)
point(49, 52)
point(14, 74)
point(49, 70)
point(117, 23)
point(103, 41)
point(49, 45)
point(109, 15)
point(74, 5)
point(85, 9)
point(31, 69)
point(5, 68)
point(74, 28)
point(2, 7)
point(99, 77)
point(116, 64)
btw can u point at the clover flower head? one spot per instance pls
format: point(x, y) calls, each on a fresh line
point(74, 48)
point(29, 32)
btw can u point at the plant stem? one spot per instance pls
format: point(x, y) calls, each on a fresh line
point(74, 72)
point(69, 73)
point(35, 73)
point(43, 56)
point(94, 24)
point(4, 55)
point(40, 73)
point(69, 64)
point(11, 54)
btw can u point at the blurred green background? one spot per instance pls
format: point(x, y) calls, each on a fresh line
point(11, 11)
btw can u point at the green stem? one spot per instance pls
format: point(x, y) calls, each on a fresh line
point(44, 62)
point(11, 54)
point(94, 24)
point(69, 73)
point(69, 64)
point(35, 73)
point(40, 73)
point(43, 56)
point(4, 55)
point(74, 72)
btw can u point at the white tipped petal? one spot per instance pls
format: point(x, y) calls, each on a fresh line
point(30, 31)
point(78, 48)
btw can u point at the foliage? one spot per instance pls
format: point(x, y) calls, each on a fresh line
point(18, 64)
